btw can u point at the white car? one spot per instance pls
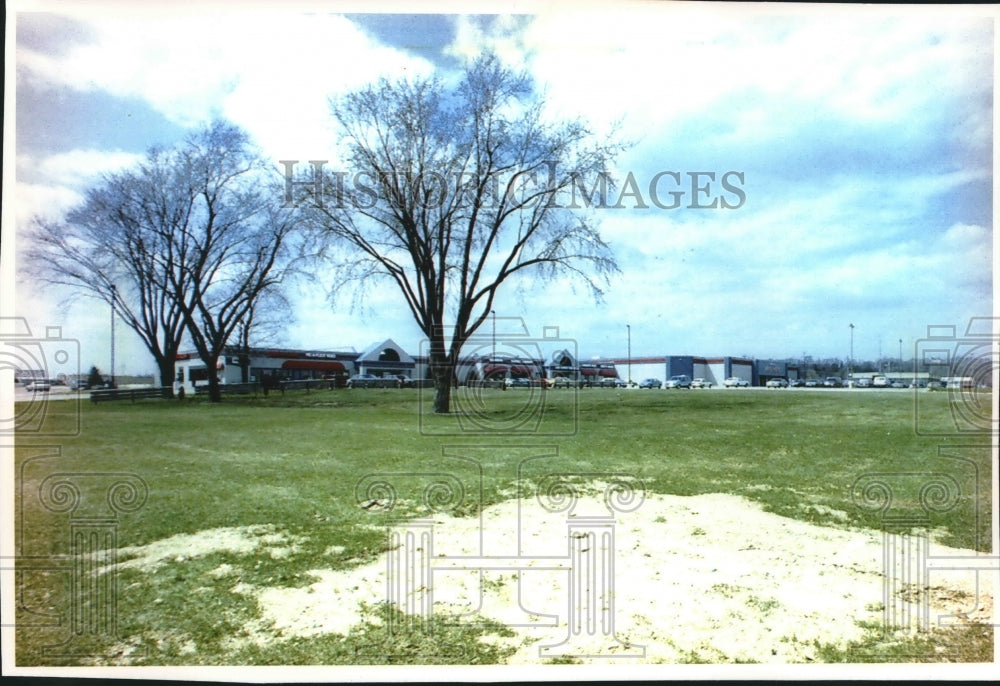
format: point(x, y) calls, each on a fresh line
point(735, 382)
point(39, 386)
point(880, 382)
point(678, 381)
point(362, 381)
point(701, 383)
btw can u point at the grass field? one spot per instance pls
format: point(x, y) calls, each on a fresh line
point(289, 466)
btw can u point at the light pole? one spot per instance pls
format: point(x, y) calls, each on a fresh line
point(629, 327)
point(850, 360)
point(114, 295)
point(494, 313)
point(900, 354)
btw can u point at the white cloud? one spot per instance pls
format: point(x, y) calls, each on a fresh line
point(664, 63)
point(76, 168)
point(269, 71)
point(41, 200)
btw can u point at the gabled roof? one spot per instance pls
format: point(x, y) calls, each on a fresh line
point(563, 358)
point(374, 352)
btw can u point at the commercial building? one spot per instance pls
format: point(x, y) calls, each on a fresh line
point(713, 369)
point(388, 360)
point(385, 359)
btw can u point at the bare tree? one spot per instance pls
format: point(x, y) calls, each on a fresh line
point(235, 246)
point(114, 247)
point(457, 190)
point(185, 244)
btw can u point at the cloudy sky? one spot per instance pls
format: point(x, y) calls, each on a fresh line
point(862, 140)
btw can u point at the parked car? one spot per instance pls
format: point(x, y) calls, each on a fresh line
point(403, 381)
point(813, 383)
point(517, 382)
point(833, 382)
point(678, 381)
point(797, 383)
point(936, 385)
point(863, 383)
point(701, 383)
point(899, 383)
point(650, 383)
point(735, 382)
point(777, 382)
point(362, 381)
point(880, 382)
point(79, 385)
point(39, 386)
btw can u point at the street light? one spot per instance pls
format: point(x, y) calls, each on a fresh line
point(114, 295)
point(629, 327)
point(494, 313)
point(850, 360)
point(900, 354)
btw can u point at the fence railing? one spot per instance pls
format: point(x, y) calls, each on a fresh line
point(132, 394)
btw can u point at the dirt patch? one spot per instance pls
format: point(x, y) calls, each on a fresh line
point(239, 540)
point(708, 578)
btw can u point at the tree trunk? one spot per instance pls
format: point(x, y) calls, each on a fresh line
point(442, 372)
point(214, 392)
point(167, 368)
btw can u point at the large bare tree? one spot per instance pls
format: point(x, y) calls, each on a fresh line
point(193, 239)
point(454, 190)
point(115, 247)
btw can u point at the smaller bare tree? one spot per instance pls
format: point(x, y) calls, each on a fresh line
point(235, 246)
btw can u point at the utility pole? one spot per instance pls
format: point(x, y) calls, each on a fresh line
point(114, 295)
point(629, 327)
point(850, 360)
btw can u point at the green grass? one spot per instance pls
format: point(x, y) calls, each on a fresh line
point(294, 461)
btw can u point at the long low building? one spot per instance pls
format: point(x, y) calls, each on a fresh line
point(385, 359)
point(388, 360)
point(713, 369)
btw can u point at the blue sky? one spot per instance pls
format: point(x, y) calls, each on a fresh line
point(864, 138)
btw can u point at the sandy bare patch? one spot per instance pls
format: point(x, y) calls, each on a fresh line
point(710, 577)
point(239, 540)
